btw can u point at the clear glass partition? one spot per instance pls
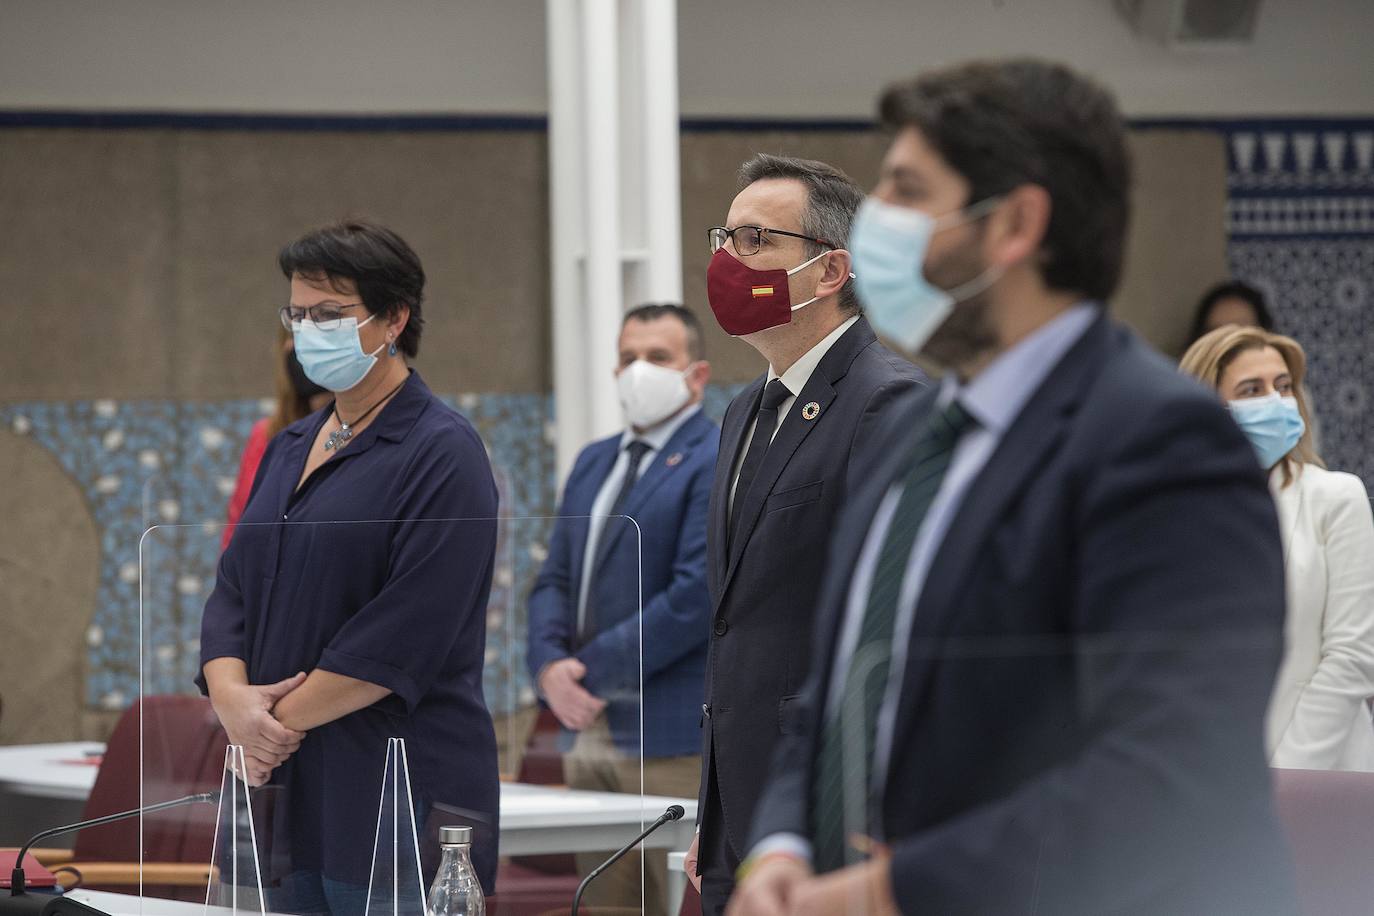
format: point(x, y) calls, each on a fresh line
point(562, 801)
point(337, 783)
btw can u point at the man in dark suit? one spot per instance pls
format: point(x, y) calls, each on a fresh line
point(589, 643)
point(780, 279)
point(1054, 608)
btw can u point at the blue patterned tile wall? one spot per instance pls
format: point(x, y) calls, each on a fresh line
point(1300, 216)
point(170, 466)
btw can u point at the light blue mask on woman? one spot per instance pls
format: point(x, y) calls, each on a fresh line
point(1272, 423)
point(333, 359)
point(889, 244)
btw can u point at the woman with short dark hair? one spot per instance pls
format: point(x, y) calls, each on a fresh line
point(350, 606)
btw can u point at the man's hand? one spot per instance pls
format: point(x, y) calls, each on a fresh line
point(245, 711)
point(770, 889)
point(864, 888)
point(561, 685)
point(689, 864)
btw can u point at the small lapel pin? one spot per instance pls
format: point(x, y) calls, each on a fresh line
point(811, 411)
point(674, 459)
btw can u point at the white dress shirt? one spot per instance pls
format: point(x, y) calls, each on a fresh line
point(656, 439)
point(794, 380)
point(994, 399)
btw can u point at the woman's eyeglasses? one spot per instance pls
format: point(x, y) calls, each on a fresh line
point(326, 316)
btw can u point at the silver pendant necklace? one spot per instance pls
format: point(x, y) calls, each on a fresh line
point(339, 437)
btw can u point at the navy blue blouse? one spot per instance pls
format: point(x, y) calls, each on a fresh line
point(356, 573)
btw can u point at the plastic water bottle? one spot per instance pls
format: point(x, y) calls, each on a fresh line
point(456, 890)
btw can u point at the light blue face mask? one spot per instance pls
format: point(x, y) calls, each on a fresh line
point(333, 359)
point(1272, 423)
point(889, 244)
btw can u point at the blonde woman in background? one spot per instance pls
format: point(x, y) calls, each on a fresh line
point(1317, 716)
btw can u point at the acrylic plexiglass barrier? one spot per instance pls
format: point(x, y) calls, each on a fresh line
point(51, 773)
point(348, 822)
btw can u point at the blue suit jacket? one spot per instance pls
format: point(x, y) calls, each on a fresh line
point(1080, 723)
point(661, 556)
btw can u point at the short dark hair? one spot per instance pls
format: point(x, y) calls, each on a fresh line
point(1230, 289)
point(385, 270)
point(832, 199)
point(1002, 124)
point(696, 347)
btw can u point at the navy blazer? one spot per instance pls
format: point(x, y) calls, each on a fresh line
point(1079, 728)
point(660, 556)
point(764, 588)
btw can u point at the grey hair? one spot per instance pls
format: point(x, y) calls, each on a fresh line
point(832, 198)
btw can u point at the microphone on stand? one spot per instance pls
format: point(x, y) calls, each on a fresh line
point(19, 903)
point(673, 813)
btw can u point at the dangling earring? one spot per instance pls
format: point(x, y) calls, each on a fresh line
point(391, 350)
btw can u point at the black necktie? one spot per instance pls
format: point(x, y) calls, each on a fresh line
point(844, 768)
point(635, 451)
point(766, 423)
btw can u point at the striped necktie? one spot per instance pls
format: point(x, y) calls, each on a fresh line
point(844, 767)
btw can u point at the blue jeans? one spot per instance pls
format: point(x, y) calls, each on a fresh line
point(308, 893)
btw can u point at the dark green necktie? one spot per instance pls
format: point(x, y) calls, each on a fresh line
point(845, 763)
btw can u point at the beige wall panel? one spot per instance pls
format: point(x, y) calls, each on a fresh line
point(84, 272)
point(473, 205)
point(1177, 245)
point(49, 554)
point(148, 261)
point(710, 166)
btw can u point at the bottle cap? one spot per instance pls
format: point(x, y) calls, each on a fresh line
point(451, 836)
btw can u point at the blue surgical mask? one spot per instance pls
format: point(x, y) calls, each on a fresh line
point(889, 245)
point(333, 359)
point(1271, 423)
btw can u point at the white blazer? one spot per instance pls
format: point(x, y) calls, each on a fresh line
point(1317, 715)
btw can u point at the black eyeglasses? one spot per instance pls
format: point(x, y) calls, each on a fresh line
point(748, 239)
point(326, 315)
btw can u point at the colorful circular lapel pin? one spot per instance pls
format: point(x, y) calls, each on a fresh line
point(674, 459)
point(811, 411)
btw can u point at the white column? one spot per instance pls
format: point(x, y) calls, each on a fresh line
point(658, 123)
point(566, 230)
point(614, 194)
point(603, 243)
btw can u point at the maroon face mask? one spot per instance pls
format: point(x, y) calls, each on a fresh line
point(746, 300)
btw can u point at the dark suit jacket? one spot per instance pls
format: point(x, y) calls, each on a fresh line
point(764, 590)
point(1080, 724)
point(661, 556)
